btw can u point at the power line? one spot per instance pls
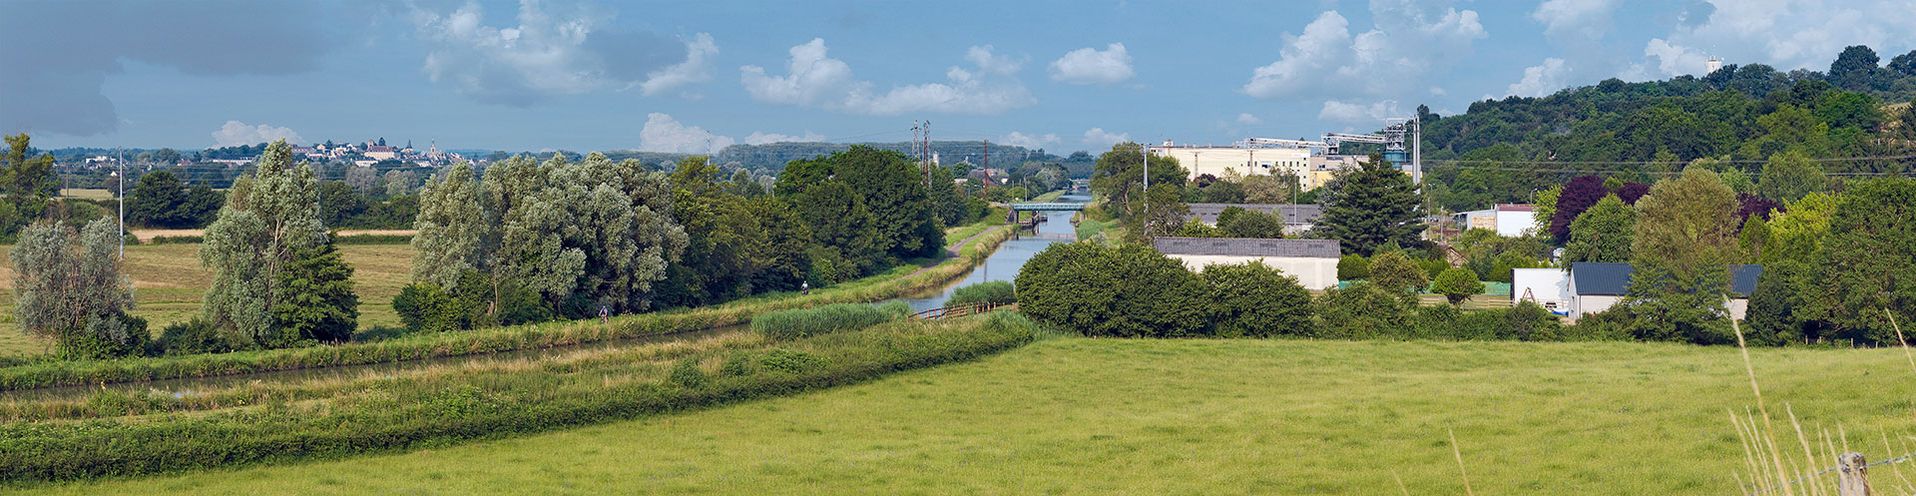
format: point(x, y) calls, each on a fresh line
point(1653, 162)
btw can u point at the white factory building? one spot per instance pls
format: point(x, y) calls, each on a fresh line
point(1312, 261)
point(1218, 160)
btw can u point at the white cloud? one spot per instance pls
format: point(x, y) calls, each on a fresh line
point(815, 79)
point(550, 54)
point(1029, 140)
point(1248, 119)
point(662, 133)
point(1574, 19)
point(1099, 138)
point(1358, 113)
point(236, 133)
point(1786, 34)
point(764, 138)
point(1542, 79)
point(1404, 45)
point(1092, 66)
point(698, 52)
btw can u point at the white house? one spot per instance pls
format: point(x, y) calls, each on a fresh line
point(1595, 287)
point(1509, 220)
point(1312, 261)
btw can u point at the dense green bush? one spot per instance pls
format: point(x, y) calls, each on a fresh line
point(1361, 311)
point(193, 337)
point(1353, 267)
point(1254, 300)
point(803, 322)
point(1395, 272)
point(992, 292)
point(1122, 291)
point(1457, 284)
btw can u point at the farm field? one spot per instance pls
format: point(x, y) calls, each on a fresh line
point(168, 284)
point(1099, 416)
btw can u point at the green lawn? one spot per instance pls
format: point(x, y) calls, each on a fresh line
point(1087, 416)
point(169, 283)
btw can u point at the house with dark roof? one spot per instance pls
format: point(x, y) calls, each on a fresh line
point(1297, 217)
point(1595, 286)
point(1312, 261)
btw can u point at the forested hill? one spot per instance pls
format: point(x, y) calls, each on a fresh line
point(1739, 114)
point(774, 156)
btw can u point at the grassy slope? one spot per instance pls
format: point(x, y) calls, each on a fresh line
point(168, 284)
point(1190, 416)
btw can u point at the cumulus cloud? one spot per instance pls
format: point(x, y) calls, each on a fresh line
point(1786, 34)
point(1248, 119)
point(1542, 79)
point(815, 79)
point(236, 133)
point(764, 138)
point(1405, 44)
point(1575, 19)
point(1357, 112)
point(549, 54)
point(1099, 138)
point(1033, 141)
point(1092, 66)
point(58, 54)
point(662, 133)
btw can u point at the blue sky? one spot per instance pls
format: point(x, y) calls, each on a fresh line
point(692, 76)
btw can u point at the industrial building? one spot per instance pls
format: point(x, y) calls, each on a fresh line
point(1312, 261)
point(1218, 161)
point(1313, 162)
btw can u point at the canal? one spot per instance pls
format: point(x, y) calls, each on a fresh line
point(1003, 264)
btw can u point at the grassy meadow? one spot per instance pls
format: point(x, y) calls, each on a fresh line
point(1100, 416)
point(168, 284)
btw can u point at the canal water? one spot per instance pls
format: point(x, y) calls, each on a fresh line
point(1003, 264)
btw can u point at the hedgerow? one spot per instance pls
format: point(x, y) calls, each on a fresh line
point(802, 322)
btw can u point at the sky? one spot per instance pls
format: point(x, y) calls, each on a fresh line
point(695, 76)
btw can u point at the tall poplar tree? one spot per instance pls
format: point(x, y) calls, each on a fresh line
point(270, 218)
point(1685, 240)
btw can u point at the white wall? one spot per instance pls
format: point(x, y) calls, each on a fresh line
point(1244, 161)
point(1312, 273)
point(1588, 304)
point(1515, 224)
point(1550, 287)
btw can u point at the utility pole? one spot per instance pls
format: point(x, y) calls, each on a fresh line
point(1145, 152)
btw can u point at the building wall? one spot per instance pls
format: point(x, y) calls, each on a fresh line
point(1216, 161)
point(1550, 287)
point(1312, 273)
point(1515, 224)
point(1581, 305)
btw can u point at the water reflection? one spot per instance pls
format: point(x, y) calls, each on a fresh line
point(1003, 264)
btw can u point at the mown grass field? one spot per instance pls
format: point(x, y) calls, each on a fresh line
point(169, 283)
point(1097, 416)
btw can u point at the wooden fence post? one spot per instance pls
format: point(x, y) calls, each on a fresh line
point(1853, 479)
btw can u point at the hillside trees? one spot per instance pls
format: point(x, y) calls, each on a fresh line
point(1371, 207)
point(70, 289)
point(1684, 241)
point(1788, 176)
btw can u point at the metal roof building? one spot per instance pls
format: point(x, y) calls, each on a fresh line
point(1312, 261)
point(1293, 214)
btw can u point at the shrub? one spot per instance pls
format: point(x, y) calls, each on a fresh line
point(1457, 284)
point(790, 361)
point(1609, 325)
point(686, 374)
point(193, 337)
point(1395, 272)
point(1257, 301)
point(1121, 291)
point(1353, 267)
point(1361, 311)
point(798, 323)
point(992, 292)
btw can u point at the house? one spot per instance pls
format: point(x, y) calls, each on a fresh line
point(378, 152)
point(1547, 287)
point(1509, 220)
point(1312, 261)
point(1297, 217)
point(1594, 287)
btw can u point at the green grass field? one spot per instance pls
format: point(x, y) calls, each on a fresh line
point(1094, 416)
point(169, 283)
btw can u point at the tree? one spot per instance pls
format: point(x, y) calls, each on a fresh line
point(1684, 242)
point(1252, 225)
point(339, 202)
point(1457, 284)
point(1395, 272)
point(1113, 291)
point(894, 191)
point(365, 180)
point(1788, 176)
point(1374, 206)
point(451, 229)
point(158, 199)
point(1119, 175)
point(269, 218)
point(28, 184)
point(1352, 267)
point(1602, 234)
point(1198, 229)
point(399, 182)
point(1867, 264)
point(1904, 65)
point(1159, 213)
point(1544, 205)
point(1578, 195)
point(1855, 69)
point(320, 304)
point(1254, 300)
point(1260, 188)
point(70, 289)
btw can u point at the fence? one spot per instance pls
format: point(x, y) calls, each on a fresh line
point(961, 311)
